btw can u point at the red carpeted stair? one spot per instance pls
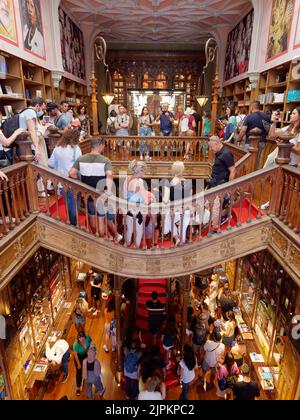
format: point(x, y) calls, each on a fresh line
point(145, 288)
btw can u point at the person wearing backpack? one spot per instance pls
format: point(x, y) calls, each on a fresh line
point(110, 125)
point(132, 357)
point(27, 120)
point(7, 155)
point(199, 338)
point(228, 373)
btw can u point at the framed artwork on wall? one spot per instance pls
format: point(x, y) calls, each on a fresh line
point(72, 46)
point(32, 25)
point(8, 28)
point(280, 28)
point(239, 48)
point(297, 35)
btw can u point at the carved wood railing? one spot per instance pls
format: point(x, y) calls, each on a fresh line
point(216, 211)
point(200, 216)
point(18, 197)
point(159, 148)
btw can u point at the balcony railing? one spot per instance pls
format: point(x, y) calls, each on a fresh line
point(153, 226)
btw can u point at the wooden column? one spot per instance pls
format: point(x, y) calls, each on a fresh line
point(254, 149)
point(185, 304)
point(285, 148)
point(24, 144)
point(32, 192)
point(53, 139)
point(94, 103)
point(117, 294)
point(214, 104)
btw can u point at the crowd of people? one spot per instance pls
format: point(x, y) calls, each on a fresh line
point(214, 353)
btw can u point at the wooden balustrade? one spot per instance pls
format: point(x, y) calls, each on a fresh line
point(215, 211)
point(15, 201)
point(143, 226)
point(289, 211)
point(159, 148)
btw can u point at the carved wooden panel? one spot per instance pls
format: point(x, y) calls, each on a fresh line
point(14, 255)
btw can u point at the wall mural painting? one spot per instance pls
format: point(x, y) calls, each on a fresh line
point(32, 24)
point(297, 35)
point(239, 47)
point(8, 30)
point(72, 46)
point(280, 28)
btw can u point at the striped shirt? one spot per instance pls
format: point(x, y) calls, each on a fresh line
point(93, 169)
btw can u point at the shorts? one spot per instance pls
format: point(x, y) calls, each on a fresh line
point(154, 328)
point(207, 368)
point(100, 210)
point(79, 321)
point(95, 295)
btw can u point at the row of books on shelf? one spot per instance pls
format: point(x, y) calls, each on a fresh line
point(271, 98)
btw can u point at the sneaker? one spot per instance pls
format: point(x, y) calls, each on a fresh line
point(147, 157)
point(141, 157)
point(95, 312)
point(64, 379)
point(78, 392)
point(265, 206)
point(119, 238)
point(102, 393)
point(106, 349)
point(7, 220)
point(113, 350)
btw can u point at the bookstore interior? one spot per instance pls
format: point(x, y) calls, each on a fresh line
point(48, 50)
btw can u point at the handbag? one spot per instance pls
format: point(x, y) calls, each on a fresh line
point(4, 161)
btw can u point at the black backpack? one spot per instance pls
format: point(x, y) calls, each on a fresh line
point(10, 125)
point(199, 336)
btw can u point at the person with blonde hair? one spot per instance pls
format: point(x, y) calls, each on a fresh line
point(80, 312)
point(175, 193)
point(136, 192)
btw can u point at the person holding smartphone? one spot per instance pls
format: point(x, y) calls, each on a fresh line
point(166, 119)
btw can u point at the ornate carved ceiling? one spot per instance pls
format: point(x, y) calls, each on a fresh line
point(172, 21)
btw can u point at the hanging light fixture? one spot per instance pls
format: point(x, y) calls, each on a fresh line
point(108, 96)
point(101, 50)
point(201, 99)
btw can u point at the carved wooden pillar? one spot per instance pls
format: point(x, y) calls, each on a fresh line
point(282, 159)
point(53, 139)
point(214, 105)
point(185, 304)
point(117, 294)
point(32, 190)
point(24, 144)
point(254, 149)
point(94, 103)
point(285, 148)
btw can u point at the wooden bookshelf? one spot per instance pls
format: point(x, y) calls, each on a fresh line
point(272, 92)
point(74, 93)
point(21, 81)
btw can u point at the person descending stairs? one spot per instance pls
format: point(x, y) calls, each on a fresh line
point(146, 287)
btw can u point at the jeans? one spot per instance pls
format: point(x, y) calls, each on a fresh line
point(65, 361)
point(131, 388)
point(100, 210)
point(71, 204)
point(79, 370)
point(185, 391)
point(92, 379)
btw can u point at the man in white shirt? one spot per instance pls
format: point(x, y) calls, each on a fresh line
point(59, 354)
point(214, 351)
point(151, 394)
